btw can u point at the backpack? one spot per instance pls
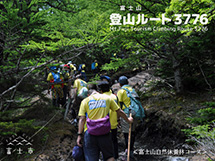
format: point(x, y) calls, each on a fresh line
point(56, 77)
point(52, 68)
point(80, 67)
point(135, 107)
point(93, 66)
point(83, 93)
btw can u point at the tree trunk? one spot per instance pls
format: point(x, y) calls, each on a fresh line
point(177, 75)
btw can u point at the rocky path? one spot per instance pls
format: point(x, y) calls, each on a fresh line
point(158, 139)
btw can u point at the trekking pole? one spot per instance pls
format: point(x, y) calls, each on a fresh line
point(129, 140)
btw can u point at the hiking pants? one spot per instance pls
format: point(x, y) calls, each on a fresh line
point(65, 94)
point(57, 92)
point(76, 106)
point(115, 142)
point(132, 140)
point(57, 96)
point(84, 76)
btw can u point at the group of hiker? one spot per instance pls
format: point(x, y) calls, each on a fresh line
point(61, 77)
point(100, 112)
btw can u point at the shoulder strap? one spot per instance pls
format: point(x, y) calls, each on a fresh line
point(127, 90)
point(53, 74)
point(129, 94)
point(123, 87)
point(117, 99)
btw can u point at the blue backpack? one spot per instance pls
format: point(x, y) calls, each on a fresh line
point(52, 68)
point(56, 77)
point(93, 66)
point(80, 67)
point(135, 107)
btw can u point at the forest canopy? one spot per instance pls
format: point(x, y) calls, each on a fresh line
point(178, 43)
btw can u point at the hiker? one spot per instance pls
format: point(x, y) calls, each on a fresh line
point(113, 117)
point(72, 67)
point(80, 92)
point(108, 79)
point(94, 67)
point(55, 79)
point(81, 69)
point(94, 112)
point(124, 102)
point(66, 77)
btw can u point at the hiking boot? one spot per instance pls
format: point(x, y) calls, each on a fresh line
point(126, 151)
point(124, 156)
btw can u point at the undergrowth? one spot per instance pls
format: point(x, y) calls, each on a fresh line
point(202, 132)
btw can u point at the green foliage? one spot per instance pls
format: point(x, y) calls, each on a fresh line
point(7, 115)
point(118, 63)
point(204, 123)
point(203, 131)
point(209, 104)
point(45, 137)
point(23, 125)
point(204, 116)
point(38, 32)
point(94, 79)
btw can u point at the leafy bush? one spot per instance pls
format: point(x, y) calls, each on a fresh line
point(23, 125)
point(209, 104)
point(204, 132)
point(204, 116)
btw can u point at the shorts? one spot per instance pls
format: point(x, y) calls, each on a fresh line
point(94, 144)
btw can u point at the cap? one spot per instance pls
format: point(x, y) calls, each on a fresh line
point(123, 80)
point(105, 77)
point(53, 68)
point(67, 66)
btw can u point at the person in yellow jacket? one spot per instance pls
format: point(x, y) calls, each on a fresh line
point(55, 79)
point(81, 69)
point(73, 69)
point(66, 77)
point(113, 120)
point(95, 67)
point(78, 86)
point(124, 102)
